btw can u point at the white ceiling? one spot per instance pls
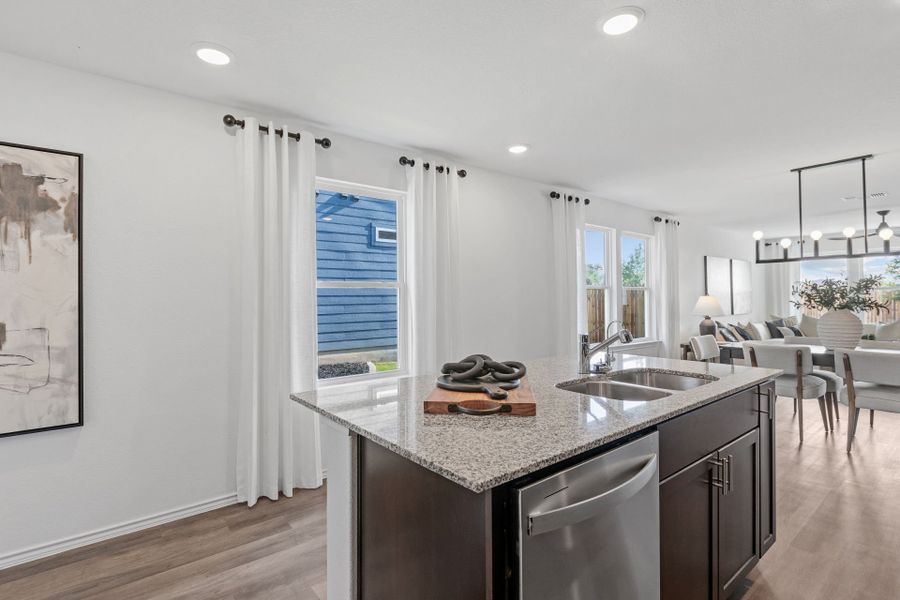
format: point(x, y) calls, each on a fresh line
point(703, 109)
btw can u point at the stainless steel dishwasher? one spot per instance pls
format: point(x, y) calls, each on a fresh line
point(591, 531)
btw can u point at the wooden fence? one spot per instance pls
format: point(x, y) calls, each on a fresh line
point(634, 313)
point(873, 316)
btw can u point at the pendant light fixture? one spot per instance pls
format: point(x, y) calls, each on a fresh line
point(884, 231)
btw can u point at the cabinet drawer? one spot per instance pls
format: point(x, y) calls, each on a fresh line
point(691, 436)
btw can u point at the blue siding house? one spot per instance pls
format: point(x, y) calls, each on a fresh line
point(356, 240)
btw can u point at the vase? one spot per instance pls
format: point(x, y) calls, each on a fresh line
point(840, 329)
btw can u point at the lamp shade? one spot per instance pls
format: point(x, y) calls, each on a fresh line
point(708, 306)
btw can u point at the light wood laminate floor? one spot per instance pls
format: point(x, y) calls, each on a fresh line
point(838, 514)
point(273, 551)
point(838, 535)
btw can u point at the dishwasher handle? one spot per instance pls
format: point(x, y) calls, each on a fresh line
point(539, 523)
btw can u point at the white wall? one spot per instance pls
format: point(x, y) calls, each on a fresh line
point(160, 256)
point(696, 240)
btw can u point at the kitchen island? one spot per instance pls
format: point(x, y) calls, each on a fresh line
point(422, 505)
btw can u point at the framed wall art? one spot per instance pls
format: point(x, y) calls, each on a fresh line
point(40, 278)
point(729, 280)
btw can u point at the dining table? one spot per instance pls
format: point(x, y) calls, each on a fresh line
point(821, 356)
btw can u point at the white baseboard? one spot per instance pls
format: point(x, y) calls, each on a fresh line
point(98, 535)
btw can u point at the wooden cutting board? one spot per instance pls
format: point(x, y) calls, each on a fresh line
point(520, 401)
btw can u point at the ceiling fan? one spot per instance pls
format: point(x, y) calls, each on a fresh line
point(882, 227)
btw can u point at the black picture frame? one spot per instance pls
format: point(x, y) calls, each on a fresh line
point(79, 294)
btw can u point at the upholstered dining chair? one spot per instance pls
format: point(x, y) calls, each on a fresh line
point(705, 348)
point(872, 380)
point(833, 382)
point(797, 380)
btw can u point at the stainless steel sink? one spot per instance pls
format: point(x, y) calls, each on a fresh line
point(613, 390)
point(656, 379)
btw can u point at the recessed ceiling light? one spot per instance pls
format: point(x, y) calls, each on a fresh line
point(518, 148)
point(212, 53)
point(622, 20)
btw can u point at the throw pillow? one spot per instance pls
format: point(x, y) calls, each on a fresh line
point(748, 327)
point(745, 335)
point(762, 332)
point(797, 331)
point(788, 321)
point(725, 332)
point(773, 328)
point(785, 332)
point(889, 332)
point(809, 326)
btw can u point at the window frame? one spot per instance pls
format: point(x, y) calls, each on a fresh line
point(610, 274)
point(854, 270)
point(400, 198)
point(649, 324)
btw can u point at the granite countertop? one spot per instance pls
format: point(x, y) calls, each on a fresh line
point(482, 452)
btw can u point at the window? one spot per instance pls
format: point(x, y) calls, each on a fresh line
point(597, 274)
point(828, 268)
point(851, 270)
point(616, 276)
point(889, 293)
point(635, 290)
point(359, 280)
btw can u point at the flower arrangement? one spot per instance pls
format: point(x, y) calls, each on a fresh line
point(839, 294)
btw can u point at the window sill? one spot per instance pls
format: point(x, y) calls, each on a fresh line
point(363, 378)
point(641, 344)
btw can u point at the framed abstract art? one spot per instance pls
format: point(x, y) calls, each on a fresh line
point(40, 289)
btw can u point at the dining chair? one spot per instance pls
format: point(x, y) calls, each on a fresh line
point(834, 383)
point(872, 380)
point(796, 380)
point(705, 348)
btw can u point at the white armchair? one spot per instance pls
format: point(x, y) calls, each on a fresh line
point(797, 380)
point(872, 381)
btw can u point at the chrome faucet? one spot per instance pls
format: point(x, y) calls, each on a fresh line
point(587, 351)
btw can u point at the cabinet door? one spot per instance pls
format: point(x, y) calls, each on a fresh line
point(687, 506)
point(766, 468)
point(738, 512)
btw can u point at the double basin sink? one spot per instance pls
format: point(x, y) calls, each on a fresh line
point(636, 385)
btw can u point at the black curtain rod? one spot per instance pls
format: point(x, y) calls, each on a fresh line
point(554, 194)
point(668, 220)
point(230, 121)
point(411, 162)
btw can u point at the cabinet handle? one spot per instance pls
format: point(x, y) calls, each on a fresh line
point(717, 480)
point(575, 513)
point(770, 408)
point(729, 475)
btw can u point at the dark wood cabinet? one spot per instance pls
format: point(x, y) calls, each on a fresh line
point(717, 513)
point(687, 521)
point(766, 467)
point(738, 512)
point(418, 535)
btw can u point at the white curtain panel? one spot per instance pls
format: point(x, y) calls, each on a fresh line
point(780, 278)
point(431, 226)
point(278, 440)
point(570, 285)
point(665, 286)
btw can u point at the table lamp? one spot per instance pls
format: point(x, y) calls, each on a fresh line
point(708, 306)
